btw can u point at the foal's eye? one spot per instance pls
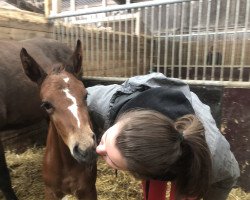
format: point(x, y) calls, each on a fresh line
point(85, 97)
point(47, 106)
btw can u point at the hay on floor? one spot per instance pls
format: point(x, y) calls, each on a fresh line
point(27, 181)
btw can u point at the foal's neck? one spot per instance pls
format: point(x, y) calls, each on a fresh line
point(57, 147)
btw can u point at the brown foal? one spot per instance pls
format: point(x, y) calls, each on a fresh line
point(69, 165)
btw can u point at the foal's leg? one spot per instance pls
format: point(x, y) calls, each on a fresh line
point(5, 182)
point(51, 195)
point(89, 194)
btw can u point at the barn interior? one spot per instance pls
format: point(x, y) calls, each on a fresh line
point(203, 42)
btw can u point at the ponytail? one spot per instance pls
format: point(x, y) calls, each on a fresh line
point(156, 147)
point(194, 165)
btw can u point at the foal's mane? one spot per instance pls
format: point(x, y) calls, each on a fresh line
point(57, 68)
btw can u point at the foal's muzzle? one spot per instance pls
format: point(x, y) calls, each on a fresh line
point(84, 156)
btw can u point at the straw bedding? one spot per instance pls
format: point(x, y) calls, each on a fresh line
point(27, 181)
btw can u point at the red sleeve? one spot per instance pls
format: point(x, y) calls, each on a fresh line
point(173, 191)
point(154, 190)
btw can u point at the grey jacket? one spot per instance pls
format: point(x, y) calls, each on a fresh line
point(101, 99)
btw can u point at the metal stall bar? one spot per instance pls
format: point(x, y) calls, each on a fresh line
point(243, 50)
point(235, 38)
point(67, 34)
point(209, 33)
point(82, 39)
point(72, 5)
point(111, 8)
point(62, 32)
point(189, 39)
point(183, 15)
point(191, 82)
point(86, 48)
point(76, 33)
point(57, 32)
point(108, 43)
point(166, 40)
point(138, 42)
point(72, 39)
point(119, 39)
point(214, 53)
point(103, 50)
point(92, 59)
point(132, 45)
point(54, 31)
point(145, 40)
point(173, 41)
point(198, 40)
point(113, 47)
point(225, 39)
point(206, 40)
point(159, 38)
point(126, 45)
point(72, 8)
point(98, 50)
point(152, 39)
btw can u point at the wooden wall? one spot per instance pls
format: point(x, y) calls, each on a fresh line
point(19, 25)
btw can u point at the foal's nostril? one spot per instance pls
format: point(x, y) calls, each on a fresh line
point(77, 151)
point(88, 155)
point(94, 137)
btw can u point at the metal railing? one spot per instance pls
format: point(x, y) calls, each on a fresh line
point(199, 40)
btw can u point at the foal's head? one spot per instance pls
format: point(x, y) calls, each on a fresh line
point(64, 99)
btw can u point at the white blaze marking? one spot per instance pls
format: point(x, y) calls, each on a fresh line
point(73, 107)
point(66, 80)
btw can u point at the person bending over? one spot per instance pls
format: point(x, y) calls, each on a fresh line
point(158, 130)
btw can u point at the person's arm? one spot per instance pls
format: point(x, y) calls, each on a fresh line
point(154, 190)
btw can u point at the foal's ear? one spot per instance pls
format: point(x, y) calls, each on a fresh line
point(31, 68)
point(75, 66)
